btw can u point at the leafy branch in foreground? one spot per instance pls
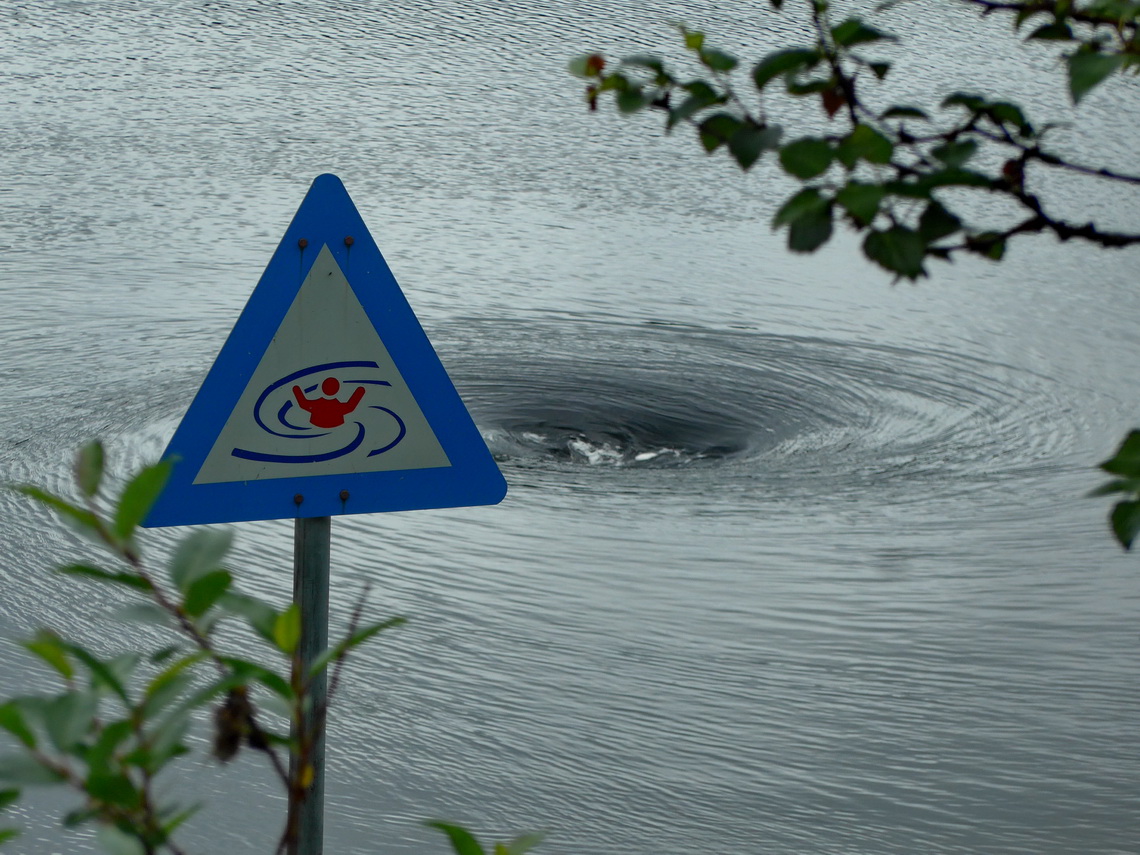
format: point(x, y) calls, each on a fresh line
point(1125, 467)
point(894, 172)
point(465, 843)
point(887, 169)
point(119, 720)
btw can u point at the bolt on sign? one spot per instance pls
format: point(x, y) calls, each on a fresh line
point(327, 398)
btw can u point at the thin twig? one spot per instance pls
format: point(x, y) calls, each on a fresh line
point(353, 625)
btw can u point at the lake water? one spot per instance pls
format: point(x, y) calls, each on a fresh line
point(794, 561)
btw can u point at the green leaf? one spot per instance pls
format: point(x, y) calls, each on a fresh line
point(861, 200)
point(132, 580)
point(1024, 14)
point(1111, 488)
point(81, 518)
point(750, 141)
point(160, 696)
point(170, 683)
point(936, 222)
point(808, 218)
point(1087, 70)
point(950, 177)
point(117, 842)
point(694, 40)
point(138, 496)
point(12, 720)
point(355, 640)
point(463, 842)
point(199, 553)
point(974, 103)
point(990, 245)
point(811, 231)
point(616, 82)
point(109, 674)
point(807, 201)
point(287, 629)
point(520, 845)
point(161, 655)
point(167, 741)
point(717, 130)
point(866, 143)
point(690, 106)
point(631, 100)
point(1126, 460)
point(1055, 31)
point(578, 66)
point(69, 718)
point(245, 671)
point(1005, 113)
point(783, 62)
point(645, 61)
point(121, 666)
point(89, 468)
point(898, 249)
point(956, 177)
point(1125, 521)
point(25, 771)
point(7, 834)
point(172, 824)
point(49, 647)
point(806, 158)
point(702, 89)
point(853, 32)
point(904, 111)
point(1119, 11)
point(113, 735)
point(261, 616)
point(880, 69)
point(955, 154)
point(113, 788)
point(718, 60)
point(205, 591)
point(8, 798)
point(810, 87)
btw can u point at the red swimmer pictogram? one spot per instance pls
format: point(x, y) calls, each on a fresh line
point(276, 406)
point(328, 412)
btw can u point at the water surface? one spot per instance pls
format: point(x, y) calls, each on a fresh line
point(793, 561)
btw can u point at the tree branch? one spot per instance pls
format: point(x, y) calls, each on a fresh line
point(1054, 160)
point(988, 7)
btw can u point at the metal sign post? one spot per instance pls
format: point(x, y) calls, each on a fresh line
point(312, 538)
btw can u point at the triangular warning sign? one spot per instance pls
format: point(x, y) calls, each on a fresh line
point(327, 398)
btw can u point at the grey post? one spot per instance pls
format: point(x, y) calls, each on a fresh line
point(312, 537)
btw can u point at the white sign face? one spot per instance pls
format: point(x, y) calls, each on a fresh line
point(326, 398)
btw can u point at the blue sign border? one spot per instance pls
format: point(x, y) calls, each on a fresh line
point(326, 217)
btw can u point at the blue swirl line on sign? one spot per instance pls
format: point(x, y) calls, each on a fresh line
point(392, 444)
point(289, 378)
point(281, 416)
point(302, 458)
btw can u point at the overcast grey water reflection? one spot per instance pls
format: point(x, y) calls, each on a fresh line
point(793, 561)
